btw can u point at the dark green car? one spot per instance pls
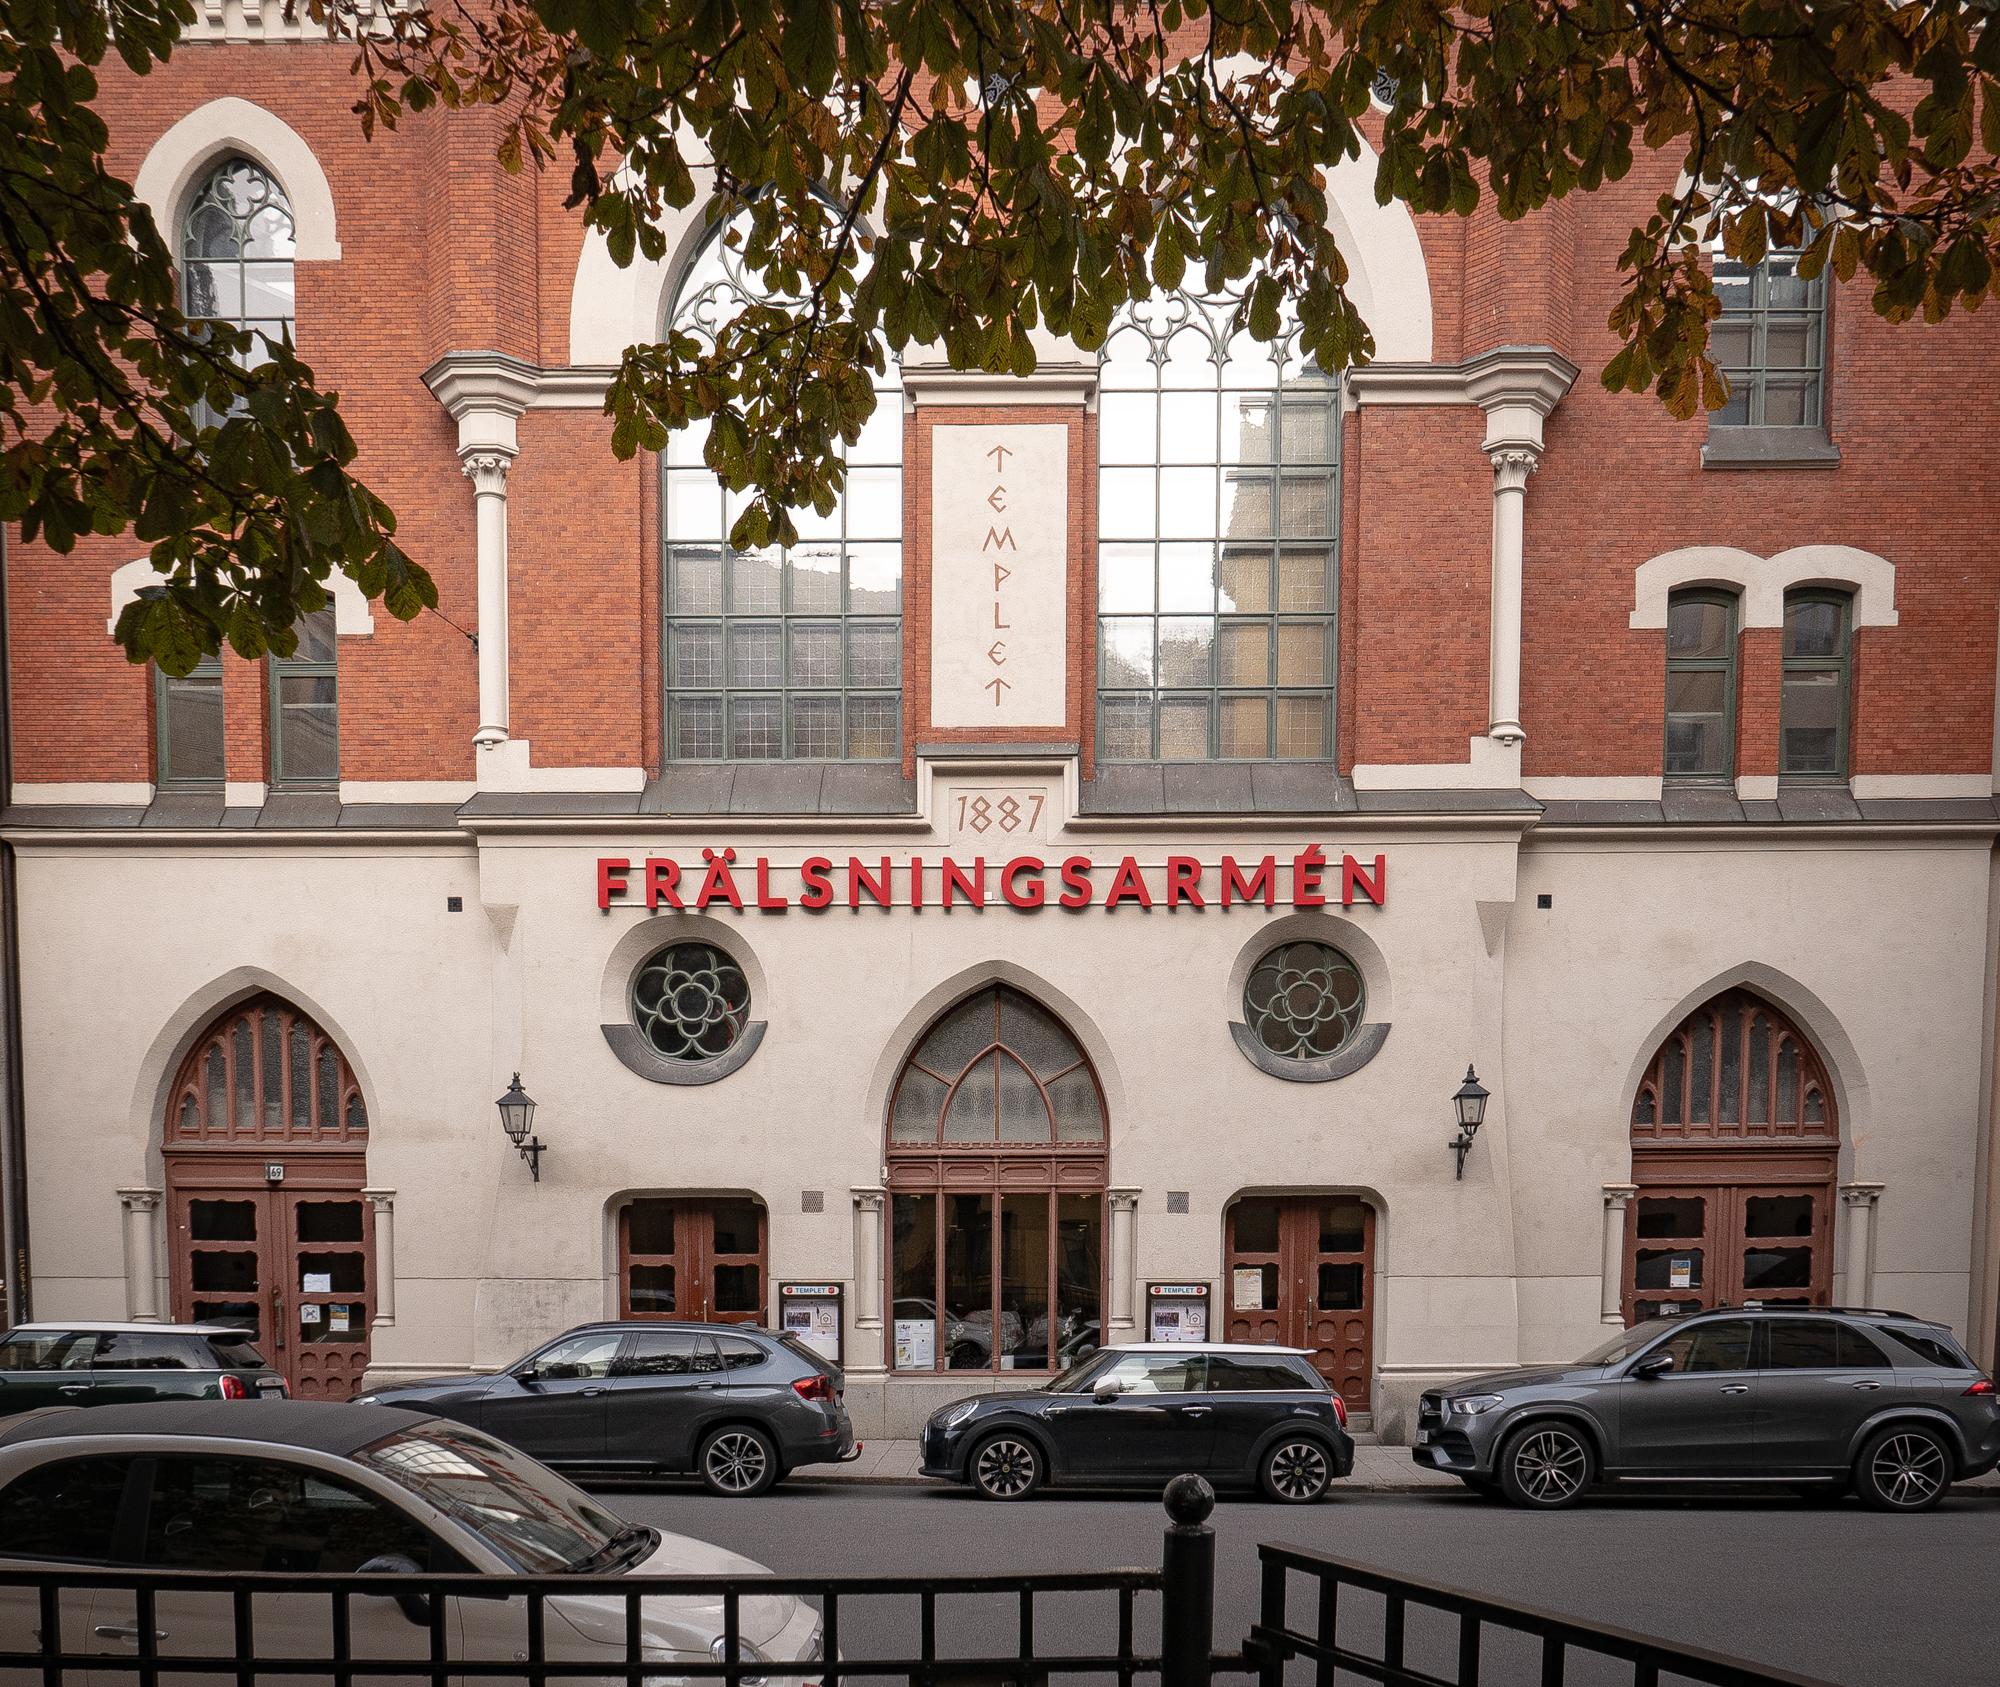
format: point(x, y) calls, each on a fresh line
point(82, 1364)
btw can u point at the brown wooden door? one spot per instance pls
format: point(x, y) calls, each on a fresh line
point(699, 1260)
point(1691, 1245)
point(289, 1262)
point(1301, 1274)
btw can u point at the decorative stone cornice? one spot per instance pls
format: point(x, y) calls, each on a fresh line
point(1517, 387)
point(485, 392)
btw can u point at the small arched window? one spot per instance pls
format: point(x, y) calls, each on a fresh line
point(266, 1073)
point(781, 654)
point(238, 241)
point(1734, 1069)
point(1218, 523)
point(998, 1070)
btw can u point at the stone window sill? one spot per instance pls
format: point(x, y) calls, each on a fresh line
point(1769, 448)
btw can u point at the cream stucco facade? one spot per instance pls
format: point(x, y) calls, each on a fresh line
point(1873, 938)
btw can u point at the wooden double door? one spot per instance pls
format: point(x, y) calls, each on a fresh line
point(1695, 1239)
point(694, 1259)
point(1301, 1273)
point(289, 1261)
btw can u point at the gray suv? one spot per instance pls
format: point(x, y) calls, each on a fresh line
point(1820, 1398)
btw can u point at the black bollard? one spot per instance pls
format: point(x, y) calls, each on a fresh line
point(1187, 1592)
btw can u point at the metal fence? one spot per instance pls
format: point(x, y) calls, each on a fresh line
point(174, 1629)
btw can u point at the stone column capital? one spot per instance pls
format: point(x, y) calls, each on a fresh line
point(1617, 1194)
point(868, 1200)
point(1512, 464)
point(1123, 1200)
point(382, 1200)
point(1861, 1194)
point(139, 1200)
point(487, 469)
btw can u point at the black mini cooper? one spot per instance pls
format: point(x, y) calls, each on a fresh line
point(1142, 1415)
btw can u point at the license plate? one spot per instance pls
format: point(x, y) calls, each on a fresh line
point(275, 1388)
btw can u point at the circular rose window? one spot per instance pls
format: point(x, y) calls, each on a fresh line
point(1304, 1001)
point(691, 1002)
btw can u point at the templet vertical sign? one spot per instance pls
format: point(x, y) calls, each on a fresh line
point(999, 568)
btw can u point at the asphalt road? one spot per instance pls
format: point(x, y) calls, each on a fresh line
point(1828, 1591)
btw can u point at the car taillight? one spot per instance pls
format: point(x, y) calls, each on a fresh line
point(814, 1387)
point(1340, 1410)
point(235, 1388)
point(1983, 1386)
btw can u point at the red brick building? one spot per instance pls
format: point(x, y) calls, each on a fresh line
point(1665, 753)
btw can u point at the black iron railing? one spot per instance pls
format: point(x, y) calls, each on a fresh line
point(168, 1628)
point(1364, 1625)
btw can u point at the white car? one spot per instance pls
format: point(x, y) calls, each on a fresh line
point(311, 1486)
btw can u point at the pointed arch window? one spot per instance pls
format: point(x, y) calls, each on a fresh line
point(1734, 1069)
point(996, 1149)
point(1218, 522)
point(781, 654)
point(237, 248)
point(265, 1073)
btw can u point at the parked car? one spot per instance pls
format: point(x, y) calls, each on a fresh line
point(738, 1405)
point(118, 1364)
point(1140, 1415)
point(315, 1486)
point(1821, 1398)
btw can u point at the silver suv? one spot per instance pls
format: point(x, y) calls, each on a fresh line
point(1820, 1398)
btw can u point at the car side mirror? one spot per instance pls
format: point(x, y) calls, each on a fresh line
point(1107, 1389)
point(528, 1373)
point(415, 1606)
point(1654, 1365)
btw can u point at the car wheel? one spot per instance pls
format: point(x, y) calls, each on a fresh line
point(738, 1461)
point(1546, 1466)
point(1006, 1467)
point(1296, 1471)
point(1904, 1468)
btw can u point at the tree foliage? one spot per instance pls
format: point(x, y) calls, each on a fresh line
point(958, 173)
point(119, 415)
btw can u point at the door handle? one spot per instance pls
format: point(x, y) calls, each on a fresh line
point(74, 1388)
point(1194, 1411)
point(1864, 1385)
point(124, 1631)
point(1737, 1388)
point(1053, 1411)
point(587, 1393)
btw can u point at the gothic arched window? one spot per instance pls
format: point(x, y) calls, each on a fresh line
point(1218, 529)
point(796, 653)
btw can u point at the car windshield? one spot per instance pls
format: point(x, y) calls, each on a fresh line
point(1628, 1342)
point(526, 1513)
point(1076, 1376)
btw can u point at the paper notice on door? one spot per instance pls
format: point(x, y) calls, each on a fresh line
point(317, 1283)
point(1680, 1274)
point(336, 1319)
point(1247, 1292)
point(309, 1313)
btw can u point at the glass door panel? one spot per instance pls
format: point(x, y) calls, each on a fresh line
point(968, 1283)
point(1079, 1272)
point(1670, 1253)
point(913, 1285)
point(1024, 1282)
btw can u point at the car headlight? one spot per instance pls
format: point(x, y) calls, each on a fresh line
point(718, 1649)
point(1471, 1405)
point(957, 1414)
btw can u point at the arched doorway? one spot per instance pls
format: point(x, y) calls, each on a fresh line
point(997, 1170)
point(1301, 1273)
point(265, 1141)
point(1735, 1146)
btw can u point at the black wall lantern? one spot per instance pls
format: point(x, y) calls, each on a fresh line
point(517, 1113)
point(1470, 1104)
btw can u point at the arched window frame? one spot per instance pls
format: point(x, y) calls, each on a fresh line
point(784, 664)
point(1686, 1090)
point(994, 1253)
point(1805, 674)
point(1194, 650)
point(1683, 667)
point(226, 1090)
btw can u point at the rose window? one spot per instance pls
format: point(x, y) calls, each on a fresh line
point(691, 1002)
point(1304, 1001)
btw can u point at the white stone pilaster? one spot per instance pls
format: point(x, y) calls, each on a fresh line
point(1611, 1288)
point(1124, 1254)
point(142, 1253)
point(1858, 1202)
point(868, 1259)
point(383, 1201)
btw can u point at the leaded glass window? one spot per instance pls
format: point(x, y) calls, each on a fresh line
point(237, 247)
point(1771, 343)
point(1812, 713)
point(691, 1002)
point(1218, 523)
point(997, 1069)
point(1303, 1001)
point(781, 654)
point(305, 707)
point(1701, 685)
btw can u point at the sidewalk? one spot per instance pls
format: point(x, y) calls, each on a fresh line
point(1377, 1469)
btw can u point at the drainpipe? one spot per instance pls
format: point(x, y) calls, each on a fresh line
point(13, 1112)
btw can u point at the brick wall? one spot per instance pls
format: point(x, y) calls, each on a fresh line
point(443, 252)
